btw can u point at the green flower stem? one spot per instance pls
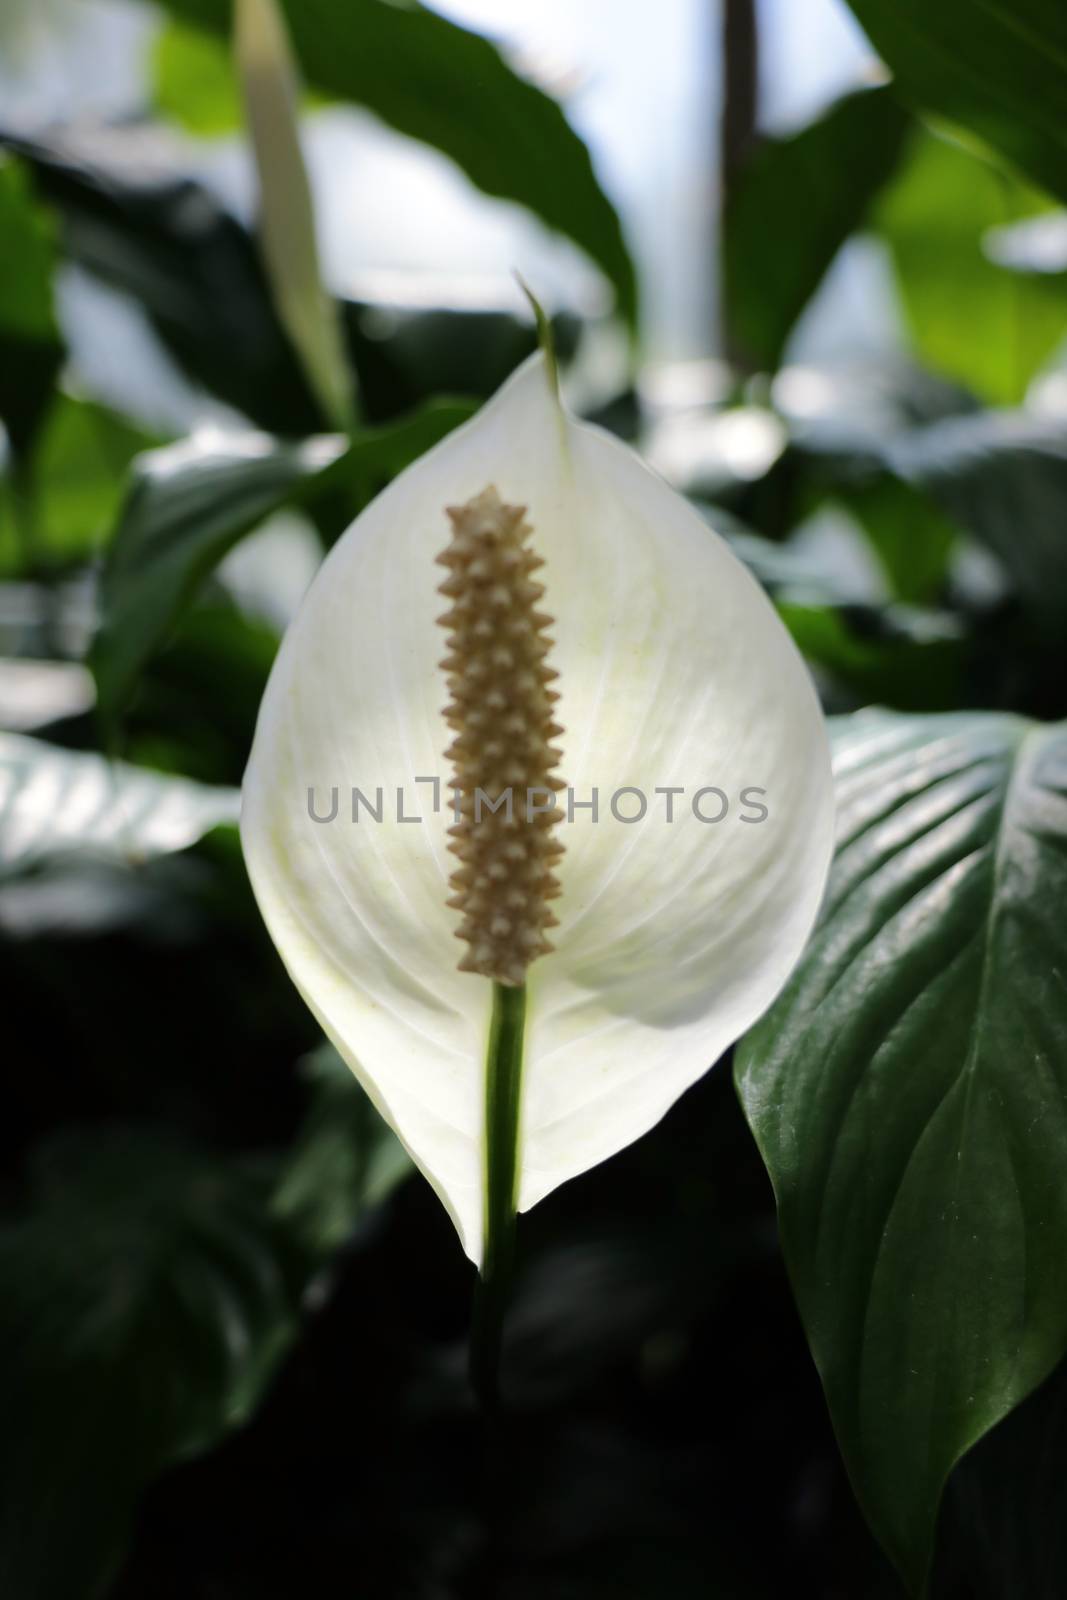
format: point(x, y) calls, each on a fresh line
point(503, 1092)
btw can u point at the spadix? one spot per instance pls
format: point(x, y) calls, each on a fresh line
point(694, 831)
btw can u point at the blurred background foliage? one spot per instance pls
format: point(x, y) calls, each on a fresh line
point(819, 278)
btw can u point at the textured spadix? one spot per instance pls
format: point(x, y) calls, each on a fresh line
point(674, 674)
point(500, 702)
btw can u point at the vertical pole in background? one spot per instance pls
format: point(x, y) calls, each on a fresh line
point(737, 133)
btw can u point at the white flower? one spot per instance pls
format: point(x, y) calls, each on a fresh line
point(674, 674)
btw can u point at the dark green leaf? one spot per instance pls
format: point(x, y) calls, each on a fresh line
point(346, 1160)
point(908, 1093)
point(406, 355)
point(163, 238)
point(912, 538)
point(191, 502)
point(188, 505)
point(1006, 1508)
point(58, 802)
point(792, 209)
point(1001, 476)
point(438, 82)
point(971, 319)
point(145, 1307)
point(31, 350)
point(903, 656)
point(71, 489)
point(997, 68)
point(377, 455)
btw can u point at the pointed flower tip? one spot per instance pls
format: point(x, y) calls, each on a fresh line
point(501, 709)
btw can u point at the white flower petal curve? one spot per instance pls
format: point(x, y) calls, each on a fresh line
point(675, 672)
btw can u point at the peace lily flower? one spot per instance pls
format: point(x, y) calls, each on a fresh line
point(593, 633)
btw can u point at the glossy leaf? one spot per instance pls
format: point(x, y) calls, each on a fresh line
point(56, 802)
point(146, 1305)
point(792, 208)
point(998, 70)
point(440, 83)
point(1007, 1501)
point(971, 319)
point(908, 1095)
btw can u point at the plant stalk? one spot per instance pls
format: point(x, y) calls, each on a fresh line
point(503, 1094)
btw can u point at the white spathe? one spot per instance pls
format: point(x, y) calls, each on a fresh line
point(675, 672)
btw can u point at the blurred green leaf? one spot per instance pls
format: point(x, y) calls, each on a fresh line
point(971, 319)
point(145, 1307)
point(31, 349)
point(911, 537)
point(377, 455)
point(997, 69)
point(907, 1092)
point(178, 720)
point(902, 656)
point(58, 802)
point(153, 233)
point(193, 80)
point(440, 83)
point(189, 503)
point(1001, 476)
point(792, 209)
point(345, 1161)
point(71, 489)
point(406, 355)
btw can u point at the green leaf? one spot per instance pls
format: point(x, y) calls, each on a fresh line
point(1002, 476)
point(191, 502)
point(908, 1092)
point(194, 82)
point(59, 802)
point(794, 206)
point(31, 349)
point(440, 83)
point(911, 537)
point(346, 1160)
point(377, 455)
point(996, 67)
point(158, 235)
point(971, 319)
point(146, 1305)
point(904, 656)
point(71, 488)
point(188, 505)
point(1007, 1502)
